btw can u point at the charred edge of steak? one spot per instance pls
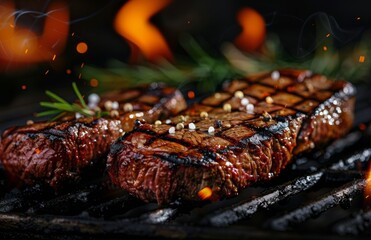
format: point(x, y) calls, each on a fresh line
point(54, 156)
point(54, 153)
point(331, 119)
point(152, 164)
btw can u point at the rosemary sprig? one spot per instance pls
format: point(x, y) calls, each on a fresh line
point(79, 96)
point(59, 107)
point(207, 72)
point(204, 71)
point(335, 63)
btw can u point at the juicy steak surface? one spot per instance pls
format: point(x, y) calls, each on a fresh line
point(233, 144)
point(54, 153)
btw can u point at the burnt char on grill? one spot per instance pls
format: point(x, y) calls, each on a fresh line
point(56, 152)
point(307, 111)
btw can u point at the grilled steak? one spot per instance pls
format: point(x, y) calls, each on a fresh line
point(56, 152)
point(245, 133)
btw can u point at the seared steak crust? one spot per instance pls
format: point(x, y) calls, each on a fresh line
point(290, 115)
point(56, 152)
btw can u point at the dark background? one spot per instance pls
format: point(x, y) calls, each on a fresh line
point(212, 22)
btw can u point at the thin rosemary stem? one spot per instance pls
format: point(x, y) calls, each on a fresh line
point(79, 96)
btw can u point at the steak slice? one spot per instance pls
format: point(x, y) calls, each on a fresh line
point(245, 133)
point(55, 153)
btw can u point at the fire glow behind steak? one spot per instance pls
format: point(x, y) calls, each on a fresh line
point(55, 153)
point(245, 133)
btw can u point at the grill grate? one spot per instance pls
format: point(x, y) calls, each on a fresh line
point(318, 193)
point(245, 209)
point(355, 224)
point(315, 208)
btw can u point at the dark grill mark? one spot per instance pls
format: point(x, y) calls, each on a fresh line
point(56, 152)
point(235, 148)
point(184, 160)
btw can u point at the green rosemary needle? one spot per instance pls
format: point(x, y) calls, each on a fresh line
point(59, 107)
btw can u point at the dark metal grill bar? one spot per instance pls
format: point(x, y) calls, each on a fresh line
point(159, 216)
point(112, 207)
point(361, 157)
point(242, 210)
point(340, 144)
point(23, 200)
point(354, 225)
point(342, 176)
point(62, 205)
point(122, 229)
point(357, 141)
point(315, 208)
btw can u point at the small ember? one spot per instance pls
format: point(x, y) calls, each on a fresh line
point(205, 193)
point(81, 47)
point(361, 59)
point(362, 127)
point(191, 94)
point(94, 82)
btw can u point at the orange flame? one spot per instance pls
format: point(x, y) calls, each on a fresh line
point(21, 45)
point(205, 193)
point(133, 23)
point(367, 192)
point(253, 30)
